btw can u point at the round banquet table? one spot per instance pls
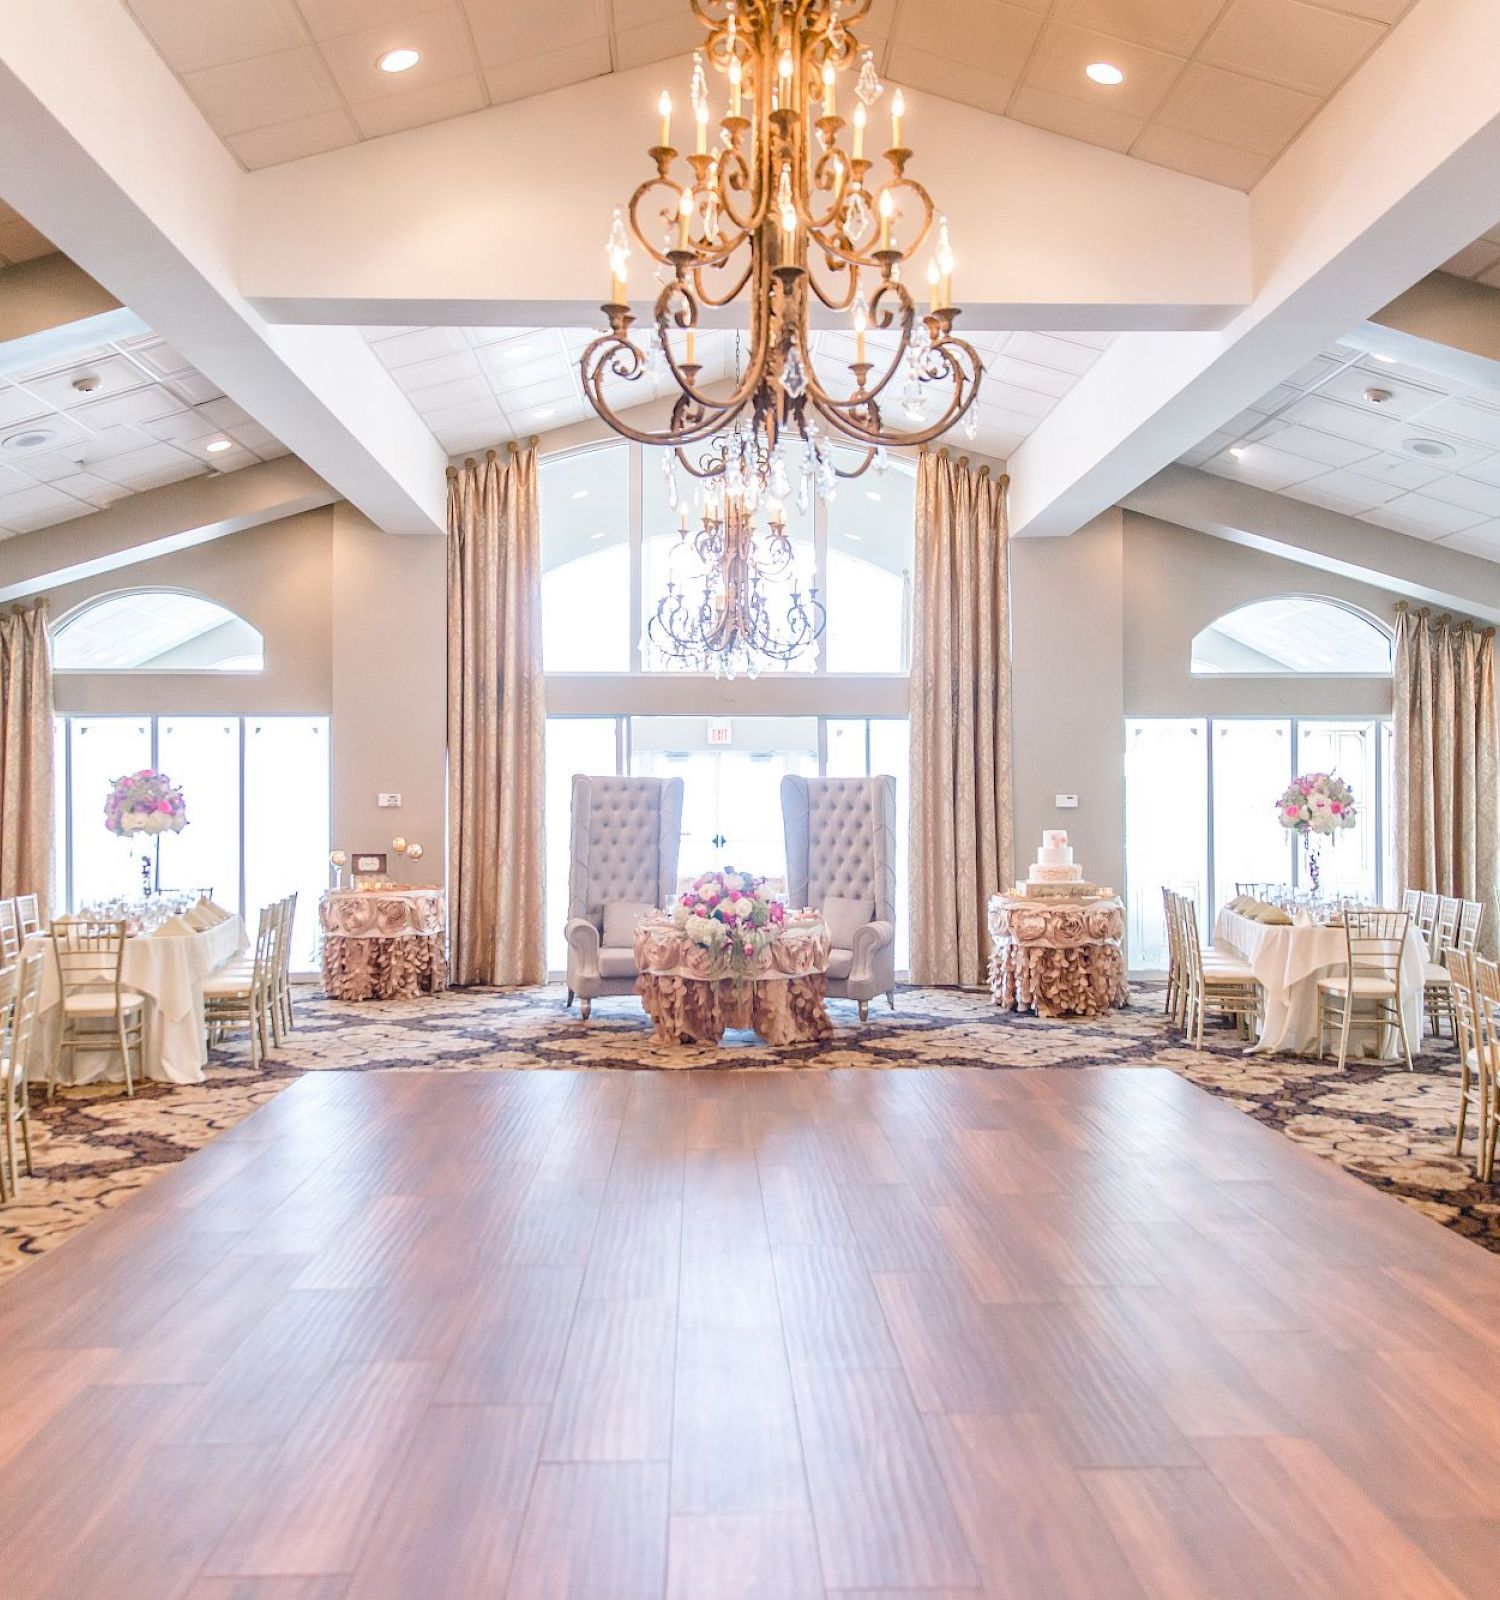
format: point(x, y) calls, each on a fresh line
point(1058, 957)
point(383, 944)
point(693, 994)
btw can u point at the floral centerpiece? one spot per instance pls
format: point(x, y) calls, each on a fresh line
point(729, 911)
point(1316, 806)
point(144, 802)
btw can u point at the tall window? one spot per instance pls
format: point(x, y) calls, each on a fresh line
point(1200, 813)
point(257, 794)
point(1293, 633)
point(156, 630)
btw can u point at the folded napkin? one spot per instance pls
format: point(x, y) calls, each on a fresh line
point(172, 928)
point(1273, 917)
point(213, 911)
point(198, 918)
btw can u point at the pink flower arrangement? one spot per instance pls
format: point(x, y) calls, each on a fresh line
point(730, 910)
point(1317, 803)
point(144, 802)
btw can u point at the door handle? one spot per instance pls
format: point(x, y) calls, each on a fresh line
point(718, 841)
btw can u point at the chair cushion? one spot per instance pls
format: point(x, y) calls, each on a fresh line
point(839, 962)
point(1376, 988)
point(845, 918)
point(1436, 973)
point(101, 1002)
point(620, 919)
point(223, 985)
point(617, 962)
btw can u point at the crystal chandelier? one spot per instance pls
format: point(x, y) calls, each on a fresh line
point(784, 209)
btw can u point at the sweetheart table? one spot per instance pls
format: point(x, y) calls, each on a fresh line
point(1058, 957)
point(693, 994)
point(383, 944)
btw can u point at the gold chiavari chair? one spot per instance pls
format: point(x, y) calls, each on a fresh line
point(18, 1058)
point(1470, 920)
point(1473, 1057)
point(10, 934)
point(95, 1002)
point(1411, 903)
point(1370, 982)
point(29, 915)
point(1215, 980)
point(243, 991)
point(1427, 910)
point(1437, 982)
point(284, 965)
point(1174, 961)
point(1487, 1030)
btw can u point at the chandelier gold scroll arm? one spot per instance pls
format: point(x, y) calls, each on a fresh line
point(707, 297)
point(686, 316)
point(958, 362)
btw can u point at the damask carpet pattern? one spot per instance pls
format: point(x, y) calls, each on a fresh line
point(1392, 1128)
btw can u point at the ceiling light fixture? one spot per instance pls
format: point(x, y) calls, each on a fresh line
point(1237, 450)
point(1429, 449)
point(217, 447)
point(1388, 361)
point(1105, 72)
point(29, 439)
point(401, 60)
point(543, 412)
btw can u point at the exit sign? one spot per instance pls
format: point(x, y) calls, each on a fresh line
point(721, 733)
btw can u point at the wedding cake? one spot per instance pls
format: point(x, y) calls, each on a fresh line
point(1054, 872)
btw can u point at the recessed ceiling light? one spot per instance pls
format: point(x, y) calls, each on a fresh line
point(29, 439)
point(1388, 360)
point(1428, 449)
point(402, 60)
point(1237, 450)
point(543, 412)
point(1105, 72)
point(216, 447)
point(580, 494)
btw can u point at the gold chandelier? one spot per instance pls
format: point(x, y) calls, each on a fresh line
point(784, 206)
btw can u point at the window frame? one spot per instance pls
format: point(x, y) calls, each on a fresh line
point(1380, 627)
point(60, 627)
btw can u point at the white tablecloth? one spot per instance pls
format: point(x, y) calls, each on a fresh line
point(170, 973)
point(1288, 961)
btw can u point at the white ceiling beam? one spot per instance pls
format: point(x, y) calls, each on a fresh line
point(1397, 173)
point(1415, 569)
point(500, 218)
point(102, 150)
point(159, 523)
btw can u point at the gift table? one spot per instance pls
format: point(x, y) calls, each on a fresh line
point(1058, 958)
point(693, 994)
point(383, 944)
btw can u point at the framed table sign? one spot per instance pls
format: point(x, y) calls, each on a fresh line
point(366, 865)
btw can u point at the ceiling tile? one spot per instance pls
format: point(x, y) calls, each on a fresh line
point(99, 492)
point(1375, 10)
point(139, 405)
point(657, 41)
point(515, 80)
point(1200, 158)
point(434, 103)
point(1344, 422)
point(1481, 540)
point(191, 35)
point(1273, 468)
point(1401, 472)
point(18, 405)
point(1356, 493)
point(291, 141)
point(419, 344)
point(328, 18)
point(1063, 51)
point(266, 89)
point(1406, 399)
point(507, 30)
point(21, 509)
point(441, 35)
point(1053, 350)
point(1094, 123)
point(1466, 493)
point(1467, 421)
point(1233, 109)
point(457, 393)
point(442, 369)
point(1176, 26)
point(929, 74)
point(917, 69)
point(1322, 447)
point(987, 34)
point(1292, 43)
point(1423, 516)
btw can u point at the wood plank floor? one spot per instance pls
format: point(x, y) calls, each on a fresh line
point(929, 1335)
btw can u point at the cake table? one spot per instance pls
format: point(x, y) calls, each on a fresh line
point(693, 994)
point(383, 944)
point(1058, 958)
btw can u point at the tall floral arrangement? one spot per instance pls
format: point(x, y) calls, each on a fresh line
point(144, 802)
point(1317, 806)
point(729, 911)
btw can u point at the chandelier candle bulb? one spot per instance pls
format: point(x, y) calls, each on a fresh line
point(664, 106)
point(692, 347)
point(861, 116)
point(898, 112)
point(830, 101)
point(684, 218)
point(736, 75)
point(700, 116)
point(887, 208)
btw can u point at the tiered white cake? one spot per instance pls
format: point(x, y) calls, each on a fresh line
point(1054, 872)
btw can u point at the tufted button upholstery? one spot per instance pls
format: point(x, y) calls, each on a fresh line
point(626, 834)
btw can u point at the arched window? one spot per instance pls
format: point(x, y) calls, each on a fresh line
point(156, 630)
point(1293, 633)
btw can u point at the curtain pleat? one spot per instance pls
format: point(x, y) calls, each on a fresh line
point(496, 722)
point(26, 793)
point(960, 843)
point(1447, 762)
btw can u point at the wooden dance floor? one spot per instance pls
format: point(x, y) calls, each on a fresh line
point(911, 1335)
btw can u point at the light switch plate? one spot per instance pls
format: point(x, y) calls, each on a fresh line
point(1067, 802)
point(388, 800)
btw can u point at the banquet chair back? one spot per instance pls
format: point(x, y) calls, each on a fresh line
point(1175, 974)
point(245, 992)
point(1411, 903)
point(1473, 1061)
point(284, 965)
point(1487, 1031)
point(90, 958)
point(1470, 920)
point(1374, 942)
point(1427, 910)
point(29, 915)
point(18, 1060)
point(1228, 986)
point(10, 934)
point(1445, 928)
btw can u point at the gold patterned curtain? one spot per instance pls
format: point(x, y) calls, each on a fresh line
point(26, 754)
point(496, 712)
point(961, 844)
point(1447, 761)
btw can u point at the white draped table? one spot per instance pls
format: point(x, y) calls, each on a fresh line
point(1288, 961)
point(169, 970)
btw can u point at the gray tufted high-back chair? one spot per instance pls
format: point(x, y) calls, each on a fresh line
point(841, 860)
point(626, 833)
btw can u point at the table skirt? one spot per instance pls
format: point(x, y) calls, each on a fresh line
point(362, 967)
point(1082, 981)
point(697, 1010)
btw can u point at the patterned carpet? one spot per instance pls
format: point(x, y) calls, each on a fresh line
point(1392, 1128)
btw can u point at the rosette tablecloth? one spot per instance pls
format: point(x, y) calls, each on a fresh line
point(383, 944)
point(693, 994)
point(1058, 958)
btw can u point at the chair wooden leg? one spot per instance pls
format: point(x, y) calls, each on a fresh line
point(864, 1011)
point(1405, 1043)
point(1463, 1113)
point(585, 1006)
point(890, 998)
point(568, 1003)
point(125, 1057)
point(1344, 1030)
